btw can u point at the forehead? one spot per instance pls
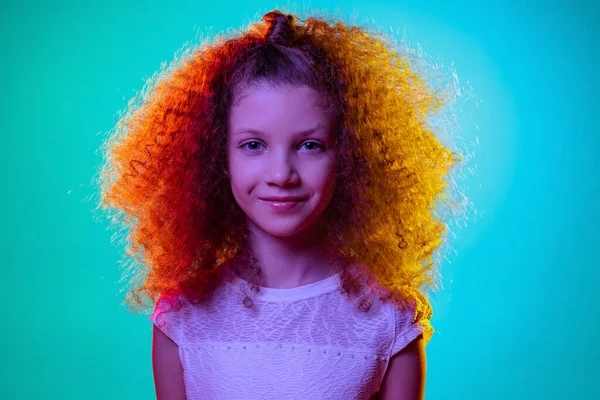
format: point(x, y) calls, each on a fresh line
point(243, 90)
point(264, 104)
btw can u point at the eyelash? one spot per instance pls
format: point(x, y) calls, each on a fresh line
point(320, 147)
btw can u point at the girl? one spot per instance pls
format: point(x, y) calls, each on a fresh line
point(279, 185)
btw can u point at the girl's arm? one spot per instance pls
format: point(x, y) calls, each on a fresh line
point(405, 377)
point(168, 372)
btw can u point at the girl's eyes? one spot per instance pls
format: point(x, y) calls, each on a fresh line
point(253, 145)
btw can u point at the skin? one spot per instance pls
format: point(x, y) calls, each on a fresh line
point(167, 368)
point(405, 376)
point(280, 144)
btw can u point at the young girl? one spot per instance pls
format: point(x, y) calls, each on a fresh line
point(280, 187)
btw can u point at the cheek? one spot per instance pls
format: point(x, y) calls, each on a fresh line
point(320, 174)
point(242, 176)
point(234, 166)
point(239, 189)
point(237, 180)
point(241, 171)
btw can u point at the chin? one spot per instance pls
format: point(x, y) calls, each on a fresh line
point(283, 230)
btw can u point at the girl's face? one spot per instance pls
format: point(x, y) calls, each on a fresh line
point(280, 158)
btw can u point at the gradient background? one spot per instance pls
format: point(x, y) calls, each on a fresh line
point(518, 314)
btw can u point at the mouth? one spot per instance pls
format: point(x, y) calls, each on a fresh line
point(287, 205)
point(283, 199)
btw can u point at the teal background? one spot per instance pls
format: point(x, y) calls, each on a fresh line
point(518, 315)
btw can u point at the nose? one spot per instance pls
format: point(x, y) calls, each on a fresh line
point(281, 170)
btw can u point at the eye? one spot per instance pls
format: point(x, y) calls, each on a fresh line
point(252, 145)
point(311, 146)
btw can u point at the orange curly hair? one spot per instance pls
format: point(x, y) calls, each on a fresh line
point(165, 159)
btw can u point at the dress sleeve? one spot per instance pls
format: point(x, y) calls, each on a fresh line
point(410, 322)
point(167, 316)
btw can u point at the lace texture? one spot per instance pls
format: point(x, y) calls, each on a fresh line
point(307, 342)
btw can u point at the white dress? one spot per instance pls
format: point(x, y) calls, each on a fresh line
point(308, 342)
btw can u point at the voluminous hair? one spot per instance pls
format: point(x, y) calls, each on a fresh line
point(165, 162)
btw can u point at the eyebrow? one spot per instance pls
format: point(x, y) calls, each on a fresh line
point(258, 132)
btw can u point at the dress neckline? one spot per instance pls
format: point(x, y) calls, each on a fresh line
point(302, 292)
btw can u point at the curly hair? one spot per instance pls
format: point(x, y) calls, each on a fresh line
point(165, 159)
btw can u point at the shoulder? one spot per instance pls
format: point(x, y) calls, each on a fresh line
point(167, 367)
point(168, 334)
point(167, 316)
point(411, 319)
point(405, 375)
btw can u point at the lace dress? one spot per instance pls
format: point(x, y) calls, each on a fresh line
point(308, 342)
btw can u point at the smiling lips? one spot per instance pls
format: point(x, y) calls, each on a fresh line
point(283, 203)
point(281, 199)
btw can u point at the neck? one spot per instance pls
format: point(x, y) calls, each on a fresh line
point(288, 262)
